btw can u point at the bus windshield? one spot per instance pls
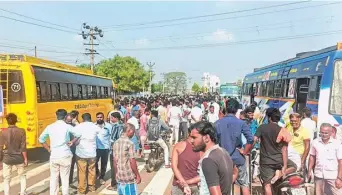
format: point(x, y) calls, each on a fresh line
point(16, 91)
point(229, 90)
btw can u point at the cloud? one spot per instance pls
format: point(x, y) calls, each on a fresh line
point(78, 38)
point(220, 35)
point(142, 42)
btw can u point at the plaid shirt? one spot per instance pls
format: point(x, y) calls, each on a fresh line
point(123, 150)
point(115, 134)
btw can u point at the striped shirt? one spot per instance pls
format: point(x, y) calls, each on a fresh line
point(115, 134)
point(123, 150)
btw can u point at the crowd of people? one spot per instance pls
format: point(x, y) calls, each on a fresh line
point(210, 138)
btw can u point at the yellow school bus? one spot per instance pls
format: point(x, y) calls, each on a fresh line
point(34, 89)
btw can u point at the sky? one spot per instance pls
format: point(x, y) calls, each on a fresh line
point(229, 45)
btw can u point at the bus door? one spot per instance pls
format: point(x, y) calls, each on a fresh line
point(302, 91)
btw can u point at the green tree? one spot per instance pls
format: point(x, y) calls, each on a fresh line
point(157, 87)
point(196, 88)
point(127, 72)
point(176, 82)
point(85, 66)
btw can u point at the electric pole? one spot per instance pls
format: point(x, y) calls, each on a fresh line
point(35, 51)
point(163, 75)
point(150, 66)
point(92, 33)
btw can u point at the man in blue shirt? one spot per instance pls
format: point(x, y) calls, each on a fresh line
point(103, 145)
point(135, 107)
point(253, 124)
point(229, 130)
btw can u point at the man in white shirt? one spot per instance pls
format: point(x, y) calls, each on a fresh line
point(175, 115)
point(86, 153)
point(60, 153)
point(326, 161)
point(196, 114)
point(212, 116)
point(308, 123)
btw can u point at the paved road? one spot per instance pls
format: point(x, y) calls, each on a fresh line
point(38, 173)
point(155, 183)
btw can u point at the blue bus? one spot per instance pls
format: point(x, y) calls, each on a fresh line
point(230, 90)
point(311, 79)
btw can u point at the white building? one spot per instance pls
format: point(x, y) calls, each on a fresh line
point(211, 82)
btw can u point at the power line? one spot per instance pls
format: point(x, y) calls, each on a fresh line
point(228, 18)
point(32, 43)
point(102, 56)
point(103, 43)
point(64, 48)
point(243, 29)
point(234, 43)
point(204, 16)
point(11, 12)
point(28, 48)
point(40, 25)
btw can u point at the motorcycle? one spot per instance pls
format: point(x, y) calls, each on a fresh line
point(292, 184)
point(154, 153)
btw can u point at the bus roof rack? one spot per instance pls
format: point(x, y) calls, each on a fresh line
point(298, 56)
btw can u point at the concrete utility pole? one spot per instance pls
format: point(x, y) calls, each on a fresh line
point(150, 66)
point(163, 75)
point(92, 33)
point(35, 51)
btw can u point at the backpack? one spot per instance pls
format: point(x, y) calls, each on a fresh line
point(153, 130)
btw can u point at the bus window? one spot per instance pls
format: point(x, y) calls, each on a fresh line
point(79, 87)
point(84, 92)
point(264, 89)
point(246, 89)
point(98, 92)
point(75, 92)
point(270, 88)
point(93, 92)
point(64, 91)
point(89, 92)
point(45, 94)
point(55, 93)
point(38, 92)
point(16, 91)
point(278, 88)
point(106, 93)
point(70, 91)
point(102, 92)
point(314, 88)
point(336, 90)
